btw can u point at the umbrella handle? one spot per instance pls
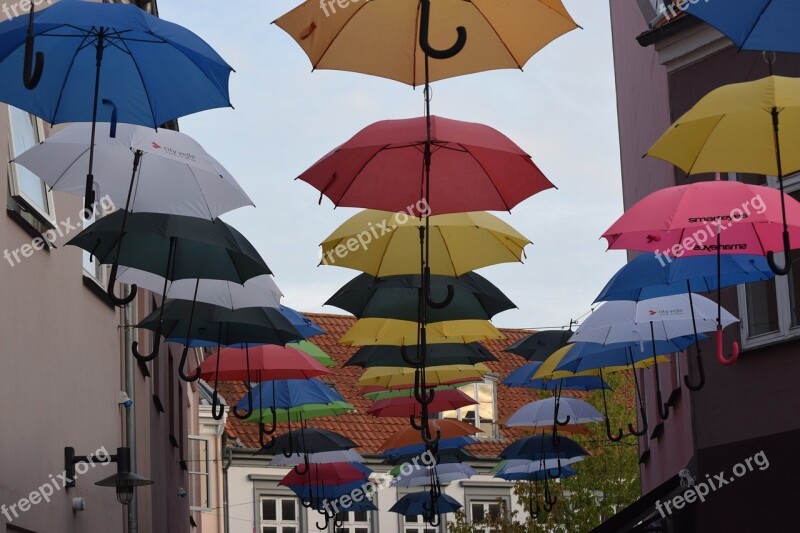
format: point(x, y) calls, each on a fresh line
point(781, 271)
point(727, 361)
point(643, 431)
point(430, 515)
point(306, 504)
point(564, 423)
point(217, 414)
point(413, 420)
point(425, 433)
point(112, 279)
point(429, 299)
point(534, 514)
point(156, 346)
point(558, 472)
point(424, 25)
point(611, 437)
point(247, 412)
point(31, 73)
point(701, 375)
point(663, 409)
point(181, 373)
point(304, 471)
point(326, 525)
point(407, 359)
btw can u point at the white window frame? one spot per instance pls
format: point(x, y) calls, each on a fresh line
point(193, 463)
point(486, 503)
point(279, 522)
point(46, 216)
point(350, 525)
point(487, 380)
point(419, 527)
point(785, 330)
point(100, 274)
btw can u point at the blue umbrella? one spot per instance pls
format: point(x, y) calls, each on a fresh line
point(753, 24)
point(421, 504)
point(540, 447)
point(538, 475)
point(417, 449)
point(305, 326)
point(145, 70)
point(522, 378)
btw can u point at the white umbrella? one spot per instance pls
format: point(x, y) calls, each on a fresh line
point(445, 473)
point(543, 412)
point(164, 171)
point(527, 466)
point(336, 456)
point(260, 291)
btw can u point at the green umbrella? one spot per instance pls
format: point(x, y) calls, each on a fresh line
point(301, 412)
point(201, 324)
point(405, 393)
point(314, 351)
point(437, 355)
point(397, 297)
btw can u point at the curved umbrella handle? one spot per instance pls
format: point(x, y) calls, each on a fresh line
point(534, 514)
point(781, 271)
point(291, 440)
point(181, 373)
point(31, 73)
point(326, 525)
point(414, 424)
point(307, 504)
point(426, 436)
point(701, 371)
point(611, 437)
point(247, 412)
point(112, 279)
point(727, 361)
point(558, 472)
point(408, 360)
point(663, 409)
point(632, 430)
point(564, 423)
point(214, 403)
point(156, 346)
point(303, 471)
point(424, 26)
point(429, 298)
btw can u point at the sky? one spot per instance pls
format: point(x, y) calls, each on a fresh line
point(561, 110)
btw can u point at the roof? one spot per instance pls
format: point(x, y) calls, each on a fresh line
point(369, 431)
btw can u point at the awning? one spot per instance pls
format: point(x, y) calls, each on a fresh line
point(642, 512)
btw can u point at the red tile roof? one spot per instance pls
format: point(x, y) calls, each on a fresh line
point(369, 431)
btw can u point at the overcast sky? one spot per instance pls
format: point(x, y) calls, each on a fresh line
point(561, 110)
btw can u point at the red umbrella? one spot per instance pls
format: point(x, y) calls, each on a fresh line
point(324, 474)
point(446, 429)
point(474, 168)
point(265, 362)
point(444, 400)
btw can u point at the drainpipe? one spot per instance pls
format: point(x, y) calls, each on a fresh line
point(130, 412)
point(227, 452)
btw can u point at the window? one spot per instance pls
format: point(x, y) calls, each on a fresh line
point(353, 522)
point(279, 515)
point(200, 473)
point(92, 268)
point(769, 309)
point(416, 524)
point(482, 510)
point(26, 188)
point(484, 414)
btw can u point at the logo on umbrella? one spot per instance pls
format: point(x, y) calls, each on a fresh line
point(156, 145)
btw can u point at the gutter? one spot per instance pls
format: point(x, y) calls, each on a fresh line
point(130, 412)
point(227, 453)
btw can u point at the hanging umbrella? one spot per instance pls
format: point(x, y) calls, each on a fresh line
point(536, 475)
point(336, 456)
point(330, 473)
point(312, 440)
point(293, 400)
point(314, 351)
point(426, 505)
point(531, 466)
point(386, 331)
point(404, 378)
point(473, 168)
point(172, 246)
point(407, 406)
point(544, 413)
point(437, 355)
point(522, 377)
point(171, 173)
point(542, 447)
point(144, 70)
point(445, 473)
point(183, 321)
point(459, 243)
point(446, 429)
point(444, 444)
point(397, 297)
point(504, 36)
point(540, 345)
point(301, 323)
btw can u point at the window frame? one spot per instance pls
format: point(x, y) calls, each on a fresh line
point(492, 381)
point(278, 523)
point(350, 526)
point(193, 460)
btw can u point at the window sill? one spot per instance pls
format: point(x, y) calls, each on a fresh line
point(770, 339)
point(94, 286)
point(29, 227)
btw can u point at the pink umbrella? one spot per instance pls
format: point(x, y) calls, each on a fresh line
point(443, 400)
point(709, 217)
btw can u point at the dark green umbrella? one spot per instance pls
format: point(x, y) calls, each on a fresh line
point(397, 297)
point(171, 246)
point(437, 355)
point(200, 324)
point(540, 345)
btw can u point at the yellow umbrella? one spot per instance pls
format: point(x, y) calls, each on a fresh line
point(731, 130)
point(400, 377)
point(548, 368)
point(382, 38)
point(387, 331)
point(381, 243)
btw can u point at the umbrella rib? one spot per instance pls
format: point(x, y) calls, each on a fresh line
point(497, 34)
point(705, 142)
point(144, 85)
point(355, 176)
point(494, 185)
point(202, 193)
point(333, 39)
point(68, 167)
point(64, 81)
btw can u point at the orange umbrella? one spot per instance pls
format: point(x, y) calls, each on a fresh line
point(448, 429)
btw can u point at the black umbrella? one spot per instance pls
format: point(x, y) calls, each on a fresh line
point(397, 297)
point(309, 441)
point(437, 355)
point(540, 345)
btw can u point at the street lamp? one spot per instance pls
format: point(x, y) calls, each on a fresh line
point(124, 481)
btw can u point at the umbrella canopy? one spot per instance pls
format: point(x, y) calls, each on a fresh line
point(447, 428)
point(336, 456)
point(416, 503)
point(459, 243)
point(173, 174)
point(318, 494)
point(548, 368)
point(445, 473)
point(529, 466)
point(328, 474)
point(542, 447)
point(403, 378)
point(448, 444)
point(446, 400)
point(397, 297)
point(260, 291)
point(437, 355)
point(314, 351)
point(542, 412)
point(312, 440)
point(200, 248)
point(523, 377)
point(540, 345)
point(499, 36)
point(584, 357)
point(261, 363)
point(450, 455)
point(473, 167)
point(385, 331)
point(288, 393)
point(536, 475)
point(301, 323)
point(646, 277)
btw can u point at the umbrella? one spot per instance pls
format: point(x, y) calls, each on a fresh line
point(446, 429)
point(336, 456)
point(172, 246)
point(405, 378)
point(425, 504)
point(396, 36)
point(545, 412)
point(444, 444)
point(304, 325)
point(522, 377)
point(445, 473)
point(312, 440)
point(459, 243)
point(386, 331)
point(739, 128)
point(437, 355)
point(206, 322)
point(541, 447)
point(473, 168)
point(314, 351)
point(331, 473)
point(536, 475)
point(407, 406)
point(153, 71)
point(530, 466)
point(540, 345)
point(753, 24)
point(397, 297)
point(445, 456)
